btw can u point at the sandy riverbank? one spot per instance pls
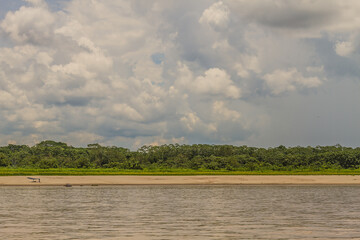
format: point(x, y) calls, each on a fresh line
point(168, 180)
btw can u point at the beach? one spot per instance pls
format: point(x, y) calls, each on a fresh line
point(181, 180)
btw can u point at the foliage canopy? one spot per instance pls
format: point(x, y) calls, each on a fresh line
point(51, 154)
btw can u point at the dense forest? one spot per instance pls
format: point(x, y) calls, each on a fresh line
point(51, 154)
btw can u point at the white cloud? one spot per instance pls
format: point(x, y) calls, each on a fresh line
point(110, 24)
point(193, 123)
point(214, 82)
point(344, 48)
point(190, 120)
point(127, 112)
point(7, 100)
point(18, 56)
point(82, 137)
point(217, 15)
point(29, 24)
point(220, 111)
point(315, 69)
point(247, 65)
point(289, 80)
point(86, 64)
point(44, 58)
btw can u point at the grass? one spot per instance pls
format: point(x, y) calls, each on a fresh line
point(165, 172)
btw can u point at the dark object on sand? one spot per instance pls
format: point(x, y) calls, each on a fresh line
point(34, 179)
point(68, 185)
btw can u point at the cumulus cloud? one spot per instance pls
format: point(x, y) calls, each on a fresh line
point(86, 64)
point(246, 65)
point(127, 112)
point(192, 123)
point(222, 112)
point(344, 48)
point(138, 72)
point(32, 24)
point(217, 15)
point(214, 82)
point(281, 81)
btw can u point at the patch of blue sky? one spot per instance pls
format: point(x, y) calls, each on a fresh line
point(9, 5)
point(158, 58)
point(14, 5)
point(57, 5)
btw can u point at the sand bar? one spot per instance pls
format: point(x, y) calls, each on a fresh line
point(181, 180)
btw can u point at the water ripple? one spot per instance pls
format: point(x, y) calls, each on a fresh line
point(180, 212)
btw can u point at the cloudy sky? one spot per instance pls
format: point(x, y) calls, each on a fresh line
point(130, 73)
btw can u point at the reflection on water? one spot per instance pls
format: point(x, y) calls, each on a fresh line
point(180, 212)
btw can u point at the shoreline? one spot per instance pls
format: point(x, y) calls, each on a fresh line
point(182, 180)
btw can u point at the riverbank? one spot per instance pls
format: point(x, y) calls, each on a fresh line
point(181, 180)
point(164, 172)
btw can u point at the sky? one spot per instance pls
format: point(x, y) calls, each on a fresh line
point(125, 73)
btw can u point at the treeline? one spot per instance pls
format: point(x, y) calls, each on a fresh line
point(51, 154)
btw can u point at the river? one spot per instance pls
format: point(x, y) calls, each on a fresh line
point(180, 212)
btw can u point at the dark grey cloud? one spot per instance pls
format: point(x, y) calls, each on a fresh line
point(288, 14)
point(326, 118)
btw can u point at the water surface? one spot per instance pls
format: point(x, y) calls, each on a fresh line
point(180, 212)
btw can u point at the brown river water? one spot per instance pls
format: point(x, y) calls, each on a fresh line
point(180, 212)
